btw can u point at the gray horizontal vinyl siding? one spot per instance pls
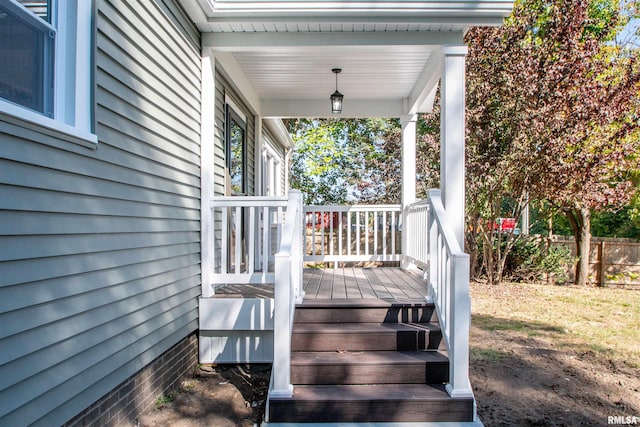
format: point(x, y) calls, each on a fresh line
point(100, 249)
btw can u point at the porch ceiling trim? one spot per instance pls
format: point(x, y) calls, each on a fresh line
point(478, 12)
point(361, 108)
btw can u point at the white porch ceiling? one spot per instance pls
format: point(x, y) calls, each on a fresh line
point(369, 72)
point(390, 52)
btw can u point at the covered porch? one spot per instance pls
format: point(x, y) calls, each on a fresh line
point(395, 279)
point(273, 61)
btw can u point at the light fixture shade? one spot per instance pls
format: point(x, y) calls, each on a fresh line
point(336, 102)
point(336, 97)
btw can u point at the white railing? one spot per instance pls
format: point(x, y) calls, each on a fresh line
point(288, 291)
point(265, 240)
point(248, 230)
point(352, 233)
point(449, 290)
point(416, 249)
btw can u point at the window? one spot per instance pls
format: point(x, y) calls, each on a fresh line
point(26, 76)
point(236, 152)
point(236, 143)
point(45, 66)
point(271, 173)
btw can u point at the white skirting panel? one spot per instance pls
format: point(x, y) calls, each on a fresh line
point(236, 330)
point(236, 346)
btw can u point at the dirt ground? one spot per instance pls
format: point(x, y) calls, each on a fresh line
point(521, 375)
point(221, 396)
point(536, 373)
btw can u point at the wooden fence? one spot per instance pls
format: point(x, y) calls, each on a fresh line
point(612, 261)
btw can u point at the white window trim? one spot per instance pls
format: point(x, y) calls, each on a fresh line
point(73, 102)
point(236, 109)
point(272, 170)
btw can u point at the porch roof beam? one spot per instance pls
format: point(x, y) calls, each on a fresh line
point(236, 76)
point(247, 42)
point(422, 96)
point(360, 108)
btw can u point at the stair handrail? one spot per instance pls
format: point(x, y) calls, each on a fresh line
point(288, 291)
point(448, 289)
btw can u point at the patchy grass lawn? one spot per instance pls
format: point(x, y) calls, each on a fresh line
point(549, 355)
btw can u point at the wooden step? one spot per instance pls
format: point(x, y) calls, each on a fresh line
point(366, 311)
point(370, 403)
point(366, 336)
point(370, 367)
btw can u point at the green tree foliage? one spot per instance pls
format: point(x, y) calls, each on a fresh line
point(317, 164)
point(346, 161)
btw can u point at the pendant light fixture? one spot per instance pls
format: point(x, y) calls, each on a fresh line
point(336, 97)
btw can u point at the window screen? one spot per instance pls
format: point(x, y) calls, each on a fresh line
point(26, 56)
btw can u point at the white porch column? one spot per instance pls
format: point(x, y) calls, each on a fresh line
point(207, 137)
point(408, 174)
point(452, 133)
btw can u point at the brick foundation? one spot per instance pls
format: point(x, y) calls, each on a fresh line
point(138, 394)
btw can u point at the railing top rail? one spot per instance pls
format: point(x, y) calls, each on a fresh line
point(438, 212)
point(419, 204)
point(247, 201)
point(347, 208)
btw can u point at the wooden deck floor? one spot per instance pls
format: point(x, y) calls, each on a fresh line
point(388, 283)
point(363, 283)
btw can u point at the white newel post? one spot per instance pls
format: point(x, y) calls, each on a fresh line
point(282, 329)
point(288, 283)
point(460, 324)
point(452, 133)
point(408, 177)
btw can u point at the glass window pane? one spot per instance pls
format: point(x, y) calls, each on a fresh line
point(38, 8)
point(26, 71)
point(237, 163)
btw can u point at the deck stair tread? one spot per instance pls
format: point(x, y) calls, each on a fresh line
point(362, 328)
point(370, 367)
point(366, 311)
point(375, 392)
point(362, 303)
point(367, 357)
point(366, 336)
point(371, 403)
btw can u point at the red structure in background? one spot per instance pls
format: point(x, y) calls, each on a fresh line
point(505, 225)
point(324, 220)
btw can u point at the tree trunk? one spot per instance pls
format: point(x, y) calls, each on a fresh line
point(580, 220)
point(487, 254)
point(582, 271)
point(549, 241)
